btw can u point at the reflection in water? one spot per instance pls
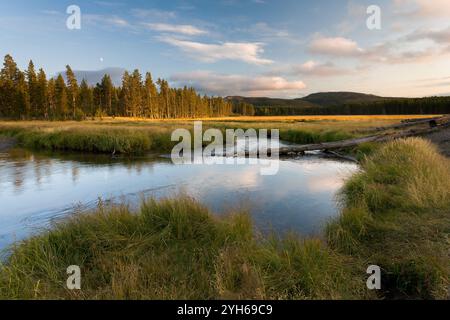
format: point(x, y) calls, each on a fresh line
point(36, 188)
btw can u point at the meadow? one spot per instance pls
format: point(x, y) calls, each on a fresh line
point(395, 214)
point(137, 136)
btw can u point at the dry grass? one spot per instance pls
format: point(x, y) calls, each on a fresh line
point(397, 216)
point(287, 118)
point(137, 136)
point(174, 249)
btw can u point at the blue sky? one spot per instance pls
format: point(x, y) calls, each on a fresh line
point(278, 48)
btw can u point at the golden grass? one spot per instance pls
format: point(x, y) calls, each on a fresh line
point(174, 249)
point(137, 135)
point(397, 216)
point(284, 118)
point(82, 136)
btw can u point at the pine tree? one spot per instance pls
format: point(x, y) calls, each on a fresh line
point(137, 109)
point(106, 89)
point(61, 104)
point(9, 78)
point(51, 99)
point(32, 90)
point(22, 100)
point(72, 89)
point(150, 97)
point(86, 99)
point(41, 97)
point(125, 96)
point(164, 97)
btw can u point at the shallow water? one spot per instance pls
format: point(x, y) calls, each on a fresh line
point(37, 188)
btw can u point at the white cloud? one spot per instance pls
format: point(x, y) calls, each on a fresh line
point(241, 51)
point(231, 84)
point(109, 3)
point(438, 36)
point(311, 68)
point(398, 51)
point(153, 14)
point(176, 28)
point(264, 30)
point(335, 47)
point(314, 68)
point(424, 8)
point(105, 20)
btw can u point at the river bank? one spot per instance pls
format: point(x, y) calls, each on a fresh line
point(395, 215)
point(138, 137)
point(6, 143)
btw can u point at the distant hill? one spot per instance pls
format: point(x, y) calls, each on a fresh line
point(328, 99)
point(346, 103)
point(273, 102)
point(321, 99)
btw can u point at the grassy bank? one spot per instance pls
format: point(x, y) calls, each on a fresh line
point(174, 249)
point(89, 138)
point(139, 136)
point(397, 215)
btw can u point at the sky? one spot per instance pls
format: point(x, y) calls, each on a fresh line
point(273, 48)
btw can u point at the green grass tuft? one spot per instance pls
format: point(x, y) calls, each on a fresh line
point(172, 249)
point(397, 215)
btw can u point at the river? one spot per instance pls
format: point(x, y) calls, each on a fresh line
point(39, 188)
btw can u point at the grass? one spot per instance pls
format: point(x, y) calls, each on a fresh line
point(139, 136)
point(397, 215)
point(174, 249)
point(89, 138)
point(291, 118)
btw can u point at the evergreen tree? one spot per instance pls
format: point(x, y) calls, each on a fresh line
point(72, 89)
point(137, 109)
point(61, 101)
point(51, 99)
point(32, 90)
point(21, 106)
point(41, 96)
point(9, 78)
point(106, 90)
point(150, 98)
point(86, 99)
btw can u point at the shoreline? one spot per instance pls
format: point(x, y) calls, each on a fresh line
point(6, 143)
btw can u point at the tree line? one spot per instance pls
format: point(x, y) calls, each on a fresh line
point(31, 95)
point(388, 106)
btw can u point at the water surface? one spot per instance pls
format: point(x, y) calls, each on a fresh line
point(37, 188)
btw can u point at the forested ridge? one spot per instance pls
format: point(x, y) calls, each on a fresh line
point(30, 94)
point(346, 103)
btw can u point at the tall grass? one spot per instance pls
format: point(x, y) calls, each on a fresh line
point(397, 215)
point(138, 136)
point(134, 139)
point(302, 136)
point(173, 249)
point(91, 139)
